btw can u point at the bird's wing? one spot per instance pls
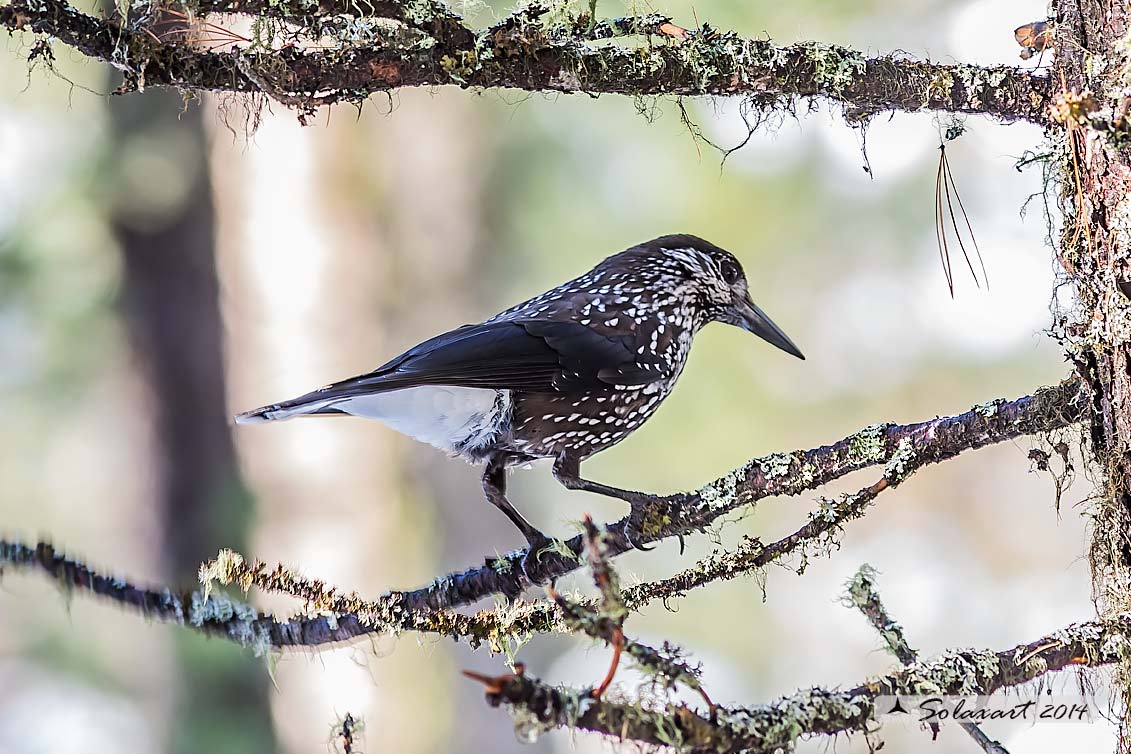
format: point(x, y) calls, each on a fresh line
point(542, 356)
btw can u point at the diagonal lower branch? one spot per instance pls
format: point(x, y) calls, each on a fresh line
point(530, 52)
point(900, 448)
point(778, 725)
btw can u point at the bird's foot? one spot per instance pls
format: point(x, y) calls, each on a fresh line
point(645, 507)
point(509, 588)
point(634, 529)
point(537, 547)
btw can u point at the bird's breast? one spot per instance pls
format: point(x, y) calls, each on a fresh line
point(546, 425)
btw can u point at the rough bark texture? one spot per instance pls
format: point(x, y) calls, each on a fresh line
point(1093, 55)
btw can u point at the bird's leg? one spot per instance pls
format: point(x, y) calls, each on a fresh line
point(567, 470)
point(495, 488)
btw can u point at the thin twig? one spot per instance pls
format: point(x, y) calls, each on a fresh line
point(604, 619)
point(863, 596)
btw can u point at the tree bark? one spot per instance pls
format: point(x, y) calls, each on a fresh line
point(1094, 251)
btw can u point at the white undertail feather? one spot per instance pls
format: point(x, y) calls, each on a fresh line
point(456, 420)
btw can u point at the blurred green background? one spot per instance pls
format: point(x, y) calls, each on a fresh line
point(159, 272)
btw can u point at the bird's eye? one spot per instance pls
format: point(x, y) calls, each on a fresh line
point(730, 272)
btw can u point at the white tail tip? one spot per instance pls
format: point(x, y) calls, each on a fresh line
point(259, 416)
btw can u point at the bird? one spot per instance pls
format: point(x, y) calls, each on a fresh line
point(561, 376)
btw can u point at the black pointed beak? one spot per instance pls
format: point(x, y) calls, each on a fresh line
point(752, 319)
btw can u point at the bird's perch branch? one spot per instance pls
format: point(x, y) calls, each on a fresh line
point(901, 449)
point(314, 52)
point(778, 725)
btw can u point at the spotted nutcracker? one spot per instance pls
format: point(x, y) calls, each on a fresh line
point(564, 375)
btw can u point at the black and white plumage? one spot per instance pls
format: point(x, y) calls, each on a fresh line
point(563, 375)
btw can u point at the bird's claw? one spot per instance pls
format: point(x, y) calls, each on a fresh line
point(633, 527)
point(630, 537)
point(632, 530)
point(535, 547)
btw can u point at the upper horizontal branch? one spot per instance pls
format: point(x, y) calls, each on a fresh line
point(778, 725)
point(528, 52)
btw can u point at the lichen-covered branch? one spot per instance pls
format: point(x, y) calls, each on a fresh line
point(778, 725)
point(900, 448)
point(863, 596)
point(343, 616)
point(211, 614)
point(333, 616)
point(604, 620)
point(315, 52)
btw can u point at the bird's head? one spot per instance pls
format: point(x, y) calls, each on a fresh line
point(713, 284)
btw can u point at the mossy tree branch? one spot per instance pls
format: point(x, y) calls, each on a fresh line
point(778, 725)
point(532, 50)
point(901, 449)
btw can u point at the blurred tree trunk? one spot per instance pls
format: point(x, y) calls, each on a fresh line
point(163, 221)
point(307, 274)
point(435, 212)
point(1095, 251)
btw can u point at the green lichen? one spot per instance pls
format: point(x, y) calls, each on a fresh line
point(776, 465)
point(499, 564)
point(218, 608)
point(529, 724)
point(834, 67)
point(869, 445)
point(779, 725)
point(1121, 68)
point(461, 67)
point(239, 620)
point(861, 588)
point(560, 548)
point(981, 83)
point(902, 462)
point(668, 732)
point(723, 492)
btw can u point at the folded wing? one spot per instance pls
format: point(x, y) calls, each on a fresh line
point(519, 355)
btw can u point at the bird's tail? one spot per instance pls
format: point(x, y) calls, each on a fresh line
point(311, 404)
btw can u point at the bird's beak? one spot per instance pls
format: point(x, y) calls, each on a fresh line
point(752, 319)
